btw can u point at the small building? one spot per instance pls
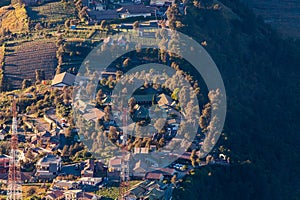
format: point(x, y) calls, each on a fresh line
point(160, 3)
point(139, 170)
point(167, 172)
point(136, 10)
point(115, 164)
point(4, 163)
point(79, 194)
point(103, 15)
point(64, 185)
point(146, 99)
point(54, 195)
point(63, 79)
point(93, 114)
point(93, 181)
point(164, 100)
point(154, 176)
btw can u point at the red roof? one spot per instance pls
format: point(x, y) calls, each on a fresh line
point(154, 175)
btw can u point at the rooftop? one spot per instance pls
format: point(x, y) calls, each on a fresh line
point(63, 78)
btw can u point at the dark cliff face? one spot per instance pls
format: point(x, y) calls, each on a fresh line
point(283, 15)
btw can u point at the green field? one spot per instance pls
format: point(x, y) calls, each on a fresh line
point(54, 12)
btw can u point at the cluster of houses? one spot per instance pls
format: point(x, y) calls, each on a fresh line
point(98, 9)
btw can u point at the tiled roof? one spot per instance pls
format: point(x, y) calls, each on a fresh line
point(65, 78)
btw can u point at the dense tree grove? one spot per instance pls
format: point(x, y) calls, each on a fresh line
point(259, 71)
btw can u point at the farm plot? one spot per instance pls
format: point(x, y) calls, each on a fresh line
point(54, 12)
point(21, 61)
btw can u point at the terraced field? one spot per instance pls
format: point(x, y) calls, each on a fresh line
point(21, 61)
point(283, 15)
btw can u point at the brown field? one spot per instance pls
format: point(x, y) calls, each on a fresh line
point(21, 61)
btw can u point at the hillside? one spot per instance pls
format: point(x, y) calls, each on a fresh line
point(14, 19)
point(21, 61)
point(282, 15)
point(260, 72)
point(54, 12)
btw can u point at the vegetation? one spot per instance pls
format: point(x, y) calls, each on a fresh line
point(260, 79)
point(14, 20)
point(4, 3)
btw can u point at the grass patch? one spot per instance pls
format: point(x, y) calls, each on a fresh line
point(16, 20)
point(112, 190)
point(54, 12)
point(37, 188)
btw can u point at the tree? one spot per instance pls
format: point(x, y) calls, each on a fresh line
point(159, 124)
point(31, 191)
point(26, 83)
point(39, 75)
point(99, 96)
point(65, 151)
point(38, 27)
point(161, 142)
point(136, 25)
point(103, 24)
point(174, 179)
point(67, 23)
point(113, 136)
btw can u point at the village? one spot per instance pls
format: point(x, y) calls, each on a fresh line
point(61, 160)
point(47, 138)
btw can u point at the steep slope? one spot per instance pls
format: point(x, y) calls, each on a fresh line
point(283, 15)
point(261, 77)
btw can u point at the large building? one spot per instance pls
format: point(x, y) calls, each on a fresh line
point(48, 166)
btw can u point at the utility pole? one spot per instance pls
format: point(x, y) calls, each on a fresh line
point(14, 186)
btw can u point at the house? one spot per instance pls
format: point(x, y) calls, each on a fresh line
point(115, 164)
point(63, 79)
point(54, 195)
point(48, 166)
point(88, 168)
point(164, 100)
point(140, 113)
point(79, 194)
point(154, 176)
point(139, 170)
point(2, 134)
point(136, 10)
point(141, 150)
point(93, 114)
point(146, 99)
point(146, 190)
point(167, 172)
point(160, 3)
point(4, 163)
point(94, 181)
point(64, 185)
point(103, 15)
point(107, 74)
point(93, 168)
